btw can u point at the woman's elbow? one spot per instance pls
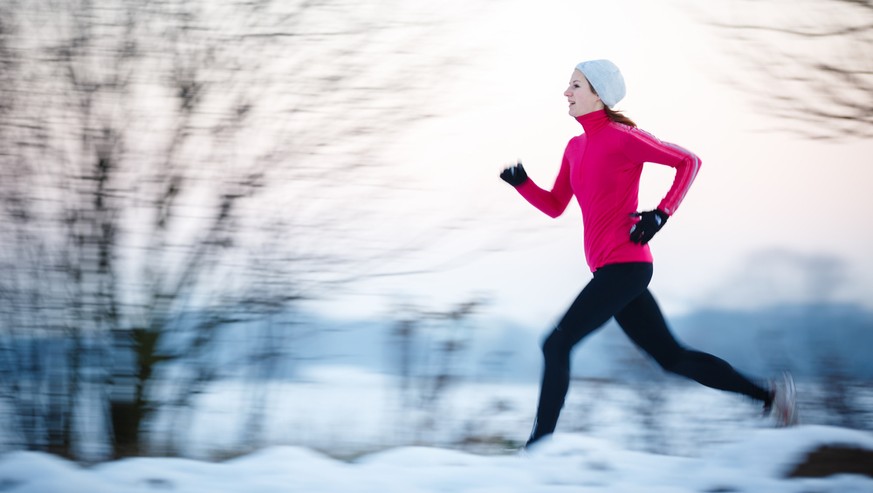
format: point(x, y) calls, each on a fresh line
point(554, 211)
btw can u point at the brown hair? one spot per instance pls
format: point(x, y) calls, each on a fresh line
point(616, 116)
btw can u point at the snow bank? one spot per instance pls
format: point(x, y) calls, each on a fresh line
point(757, 461)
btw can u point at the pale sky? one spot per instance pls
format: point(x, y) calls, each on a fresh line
point(757, 189)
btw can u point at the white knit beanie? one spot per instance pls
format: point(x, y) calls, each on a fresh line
point(606, 79)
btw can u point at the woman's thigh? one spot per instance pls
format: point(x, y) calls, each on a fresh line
point(643, 322)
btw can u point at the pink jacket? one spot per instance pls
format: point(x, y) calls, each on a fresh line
point(602, 168)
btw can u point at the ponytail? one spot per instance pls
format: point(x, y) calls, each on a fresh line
point(618, 117)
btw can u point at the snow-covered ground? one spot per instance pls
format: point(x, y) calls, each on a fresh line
point(341, 429)
point(756, 461)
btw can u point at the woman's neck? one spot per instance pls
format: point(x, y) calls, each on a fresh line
point(593, 121)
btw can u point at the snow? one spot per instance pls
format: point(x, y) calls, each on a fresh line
point(757, 460)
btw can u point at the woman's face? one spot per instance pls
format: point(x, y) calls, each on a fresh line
point(580, 96)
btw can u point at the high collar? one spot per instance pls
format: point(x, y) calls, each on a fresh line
point(594, 121)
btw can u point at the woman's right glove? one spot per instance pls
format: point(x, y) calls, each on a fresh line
point(514, 175)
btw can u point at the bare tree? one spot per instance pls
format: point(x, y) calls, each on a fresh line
point(427, 349)
point(808, 62)
point(174, 173)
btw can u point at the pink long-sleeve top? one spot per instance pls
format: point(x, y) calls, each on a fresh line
point(602, 169)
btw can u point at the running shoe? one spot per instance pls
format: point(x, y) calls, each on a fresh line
point(783, 405)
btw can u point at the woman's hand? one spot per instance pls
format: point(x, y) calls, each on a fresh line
point(650, 223)
point(514, 175)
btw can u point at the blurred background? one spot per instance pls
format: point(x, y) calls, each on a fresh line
point(229, 224)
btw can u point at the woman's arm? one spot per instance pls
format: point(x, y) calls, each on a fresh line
point(553, 202)
point(644, 147)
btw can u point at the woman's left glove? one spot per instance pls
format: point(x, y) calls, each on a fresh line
point(650, 223)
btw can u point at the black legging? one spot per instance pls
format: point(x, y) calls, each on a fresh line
point(621, 290)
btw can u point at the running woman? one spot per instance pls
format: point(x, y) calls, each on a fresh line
point(602, 168)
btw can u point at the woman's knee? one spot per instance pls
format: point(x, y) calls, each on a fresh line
point(556, 345)
point(670, 360)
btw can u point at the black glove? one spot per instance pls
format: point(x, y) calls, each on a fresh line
point(650, 223)
point(514, 175)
